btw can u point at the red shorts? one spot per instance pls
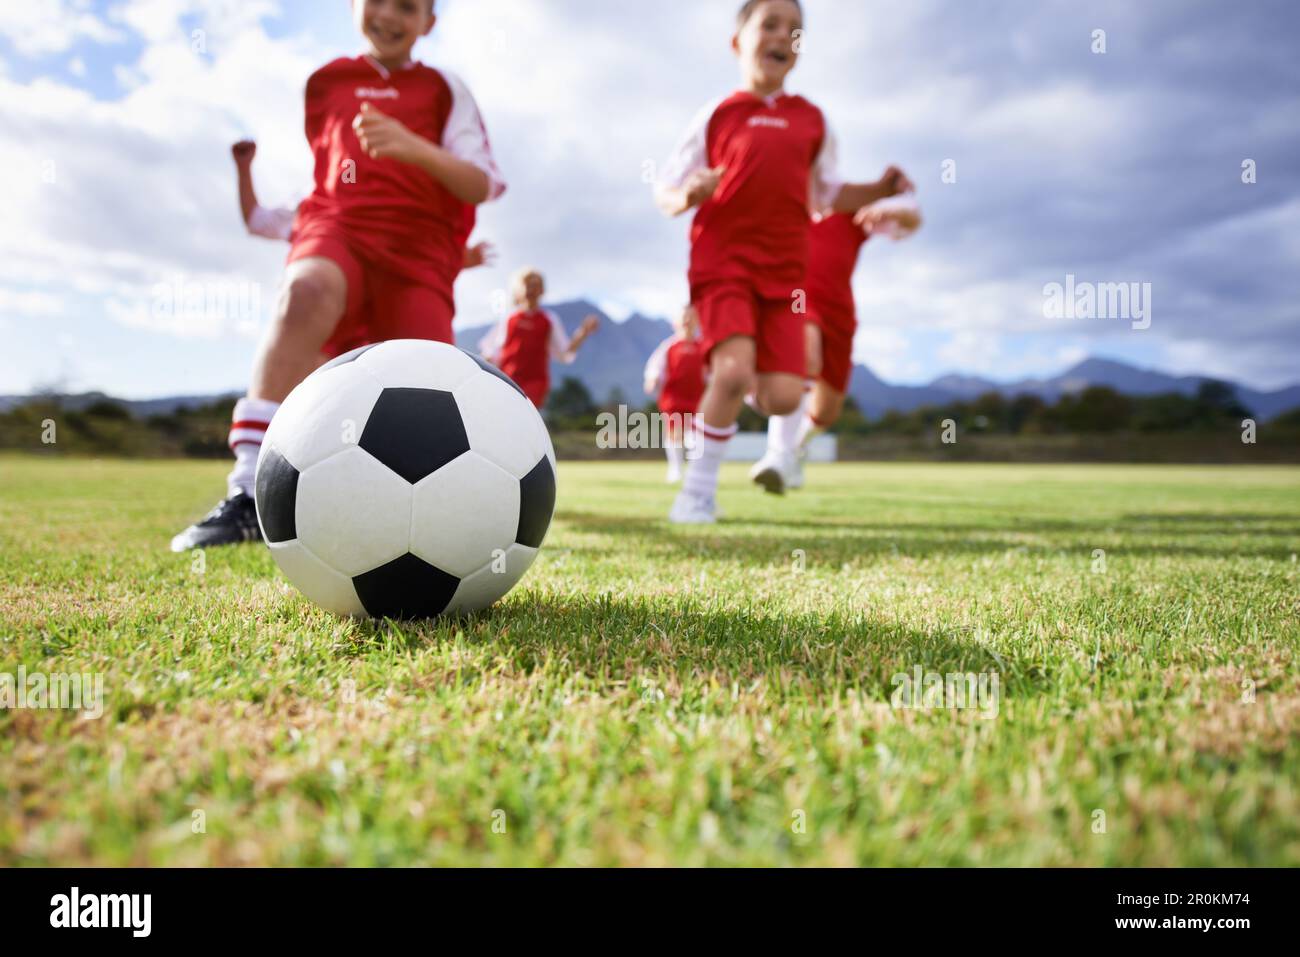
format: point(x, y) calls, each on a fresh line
point(732, 307)
point(675, 419)
point(837, 328)
point(381, 304)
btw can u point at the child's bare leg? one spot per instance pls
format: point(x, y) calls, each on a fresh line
point(731, 378)
point(311, 304)
point(812, 345)
point(779, 393)
point(826, 405)
point(783, 429)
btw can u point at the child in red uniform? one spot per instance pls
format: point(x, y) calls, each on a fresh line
point(835, 242)
point(753, 165)
point(401, 156)
point(675, 377)
point(277, 223)
point(523, 344)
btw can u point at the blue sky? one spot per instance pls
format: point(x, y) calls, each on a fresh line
point(1122, 166)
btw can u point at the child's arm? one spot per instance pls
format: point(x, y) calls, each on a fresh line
point(243, 152)
point(564, 349)
point(480, 254)
point(853, 196)
point(654, 369)
point(895, 222)
point(384, 137)
point(490, 346)
point(687, 180)
point(699, 187)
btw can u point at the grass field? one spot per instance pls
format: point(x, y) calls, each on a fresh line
point(651, 695)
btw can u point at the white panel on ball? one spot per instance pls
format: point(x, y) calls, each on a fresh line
point(501, 424)
point(325, 414)
point(354, 513)
point(487, 585)
point(417, 364)
point(463, 513)
point(322, 584)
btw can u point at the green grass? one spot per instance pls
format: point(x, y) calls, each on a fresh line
point(650, 695)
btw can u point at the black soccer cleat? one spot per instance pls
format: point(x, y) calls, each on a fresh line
point(232, 522)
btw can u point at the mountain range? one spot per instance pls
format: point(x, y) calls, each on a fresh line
point(615, 357)
point(612, 362)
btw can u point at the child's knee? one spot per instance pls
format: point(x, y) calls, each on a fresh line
point(780, 395)
point(311, 296)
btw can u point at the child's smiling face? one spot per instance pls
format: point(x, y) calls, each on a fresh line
point(392, 26)
point(765, 43)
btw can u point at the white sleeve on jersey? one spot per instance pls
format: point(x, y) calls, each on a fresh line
point(825, 184)
point(559, 340)
point(465, 137)
point(490, 346)
point(656, 367)
point(271, 223)
point(692, 152)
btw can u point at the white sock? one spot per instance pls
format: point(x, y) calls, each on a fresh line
point(808, 430)
point(783, 430)
point(247, 429)
point(675, 457)
point(710, 448)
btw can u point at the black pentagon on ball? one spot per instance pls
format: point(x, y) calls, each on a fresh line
point(536, 504)
point(415, 432)
point(347, 357)
point(408, 587)
point(277, 497)
point(490, 369)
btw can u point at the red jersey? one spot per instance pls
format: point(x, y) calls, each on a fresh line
point(834, 244)
point(523, 345)
point(391, 213)
point(779, 158)
point(675, 373)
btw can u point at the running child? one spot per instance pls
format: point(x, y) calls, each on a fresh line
point(401, 159)
point(523, 344)
point(832, 323)
point(675, 377)
point(277, 222)
point(753, 165)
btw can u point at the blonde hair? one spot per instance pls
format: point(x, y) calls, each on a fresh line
point(520, 279)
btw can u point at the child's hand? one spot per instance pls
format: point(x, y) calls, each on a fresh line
point(896, 222)
point(383, 137)
point(243, 152)
point(896, 182)
point(701, 185)
point(482, 254)
point(589, 325)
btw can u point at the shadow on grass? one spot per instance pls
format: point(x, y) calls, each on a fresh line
point(845, 540)
point(616, 640)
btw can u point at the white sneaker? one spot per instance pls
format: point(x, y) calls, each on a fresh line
point(769, 473)
point(794, 471)
point(692, 510)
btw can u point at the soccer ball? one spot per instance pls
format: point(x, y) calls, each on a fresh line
point(406, 480)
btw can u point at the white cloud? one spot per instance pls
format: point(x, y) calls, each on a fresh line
point(104, 199)
point(53, 26)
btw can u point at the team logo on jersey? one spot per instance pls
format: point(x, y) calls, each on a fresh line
point(377, 93)
point(776, 122)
